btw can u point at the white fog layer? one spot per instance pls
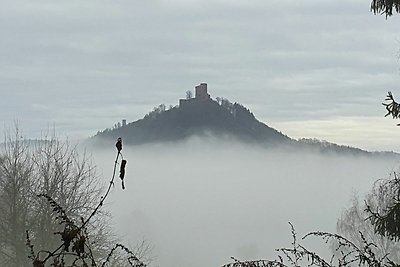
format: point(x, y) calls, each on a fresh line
point(199, 203)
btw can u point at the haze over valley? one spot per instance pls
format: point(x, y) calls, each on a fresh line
point(207, 181)
point(204, 200)
point(188, 133)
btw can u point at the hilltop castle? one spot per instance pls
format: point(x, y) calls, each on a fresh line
point(200, 95)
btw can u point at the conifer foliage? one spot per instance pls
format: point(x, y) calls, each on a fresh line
point(386, 7)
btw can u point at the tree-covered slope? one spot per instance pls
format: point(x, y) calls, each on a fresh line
point(195, 118)
point(218, 119)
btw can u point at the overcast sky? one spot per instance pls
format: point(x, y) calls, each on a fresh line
point(310, 68)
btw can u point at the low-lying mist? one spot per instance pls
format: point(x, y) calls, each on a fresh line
point(202, 201)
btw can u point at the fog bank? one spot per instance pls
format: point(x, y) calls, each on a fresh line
point(202, 201)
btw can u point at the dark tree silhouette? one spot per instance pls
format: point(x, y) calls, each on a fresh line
point(386, 220)
point(392, 107)
point(386, 7)
point(349, 254)
point(189, 94)
point(354, 220)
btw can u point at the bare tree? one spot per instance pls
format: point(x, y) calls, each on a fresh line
point(56, 170)
point(75, 248)
point(355, 220)
point(67, 178)
point(189, 94)
point(15, 200)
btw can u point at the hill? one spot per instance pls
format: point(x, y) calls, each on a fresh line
point(203, 116)
point(196, 118)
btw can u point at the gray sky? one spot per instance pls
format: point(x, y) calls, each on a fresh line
point(310, 68)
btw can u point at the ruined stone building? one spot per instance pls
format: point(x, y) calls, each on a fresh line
point(200, 95)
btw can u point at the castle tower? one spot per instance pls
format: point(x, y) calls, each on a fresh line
point(201, 92)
